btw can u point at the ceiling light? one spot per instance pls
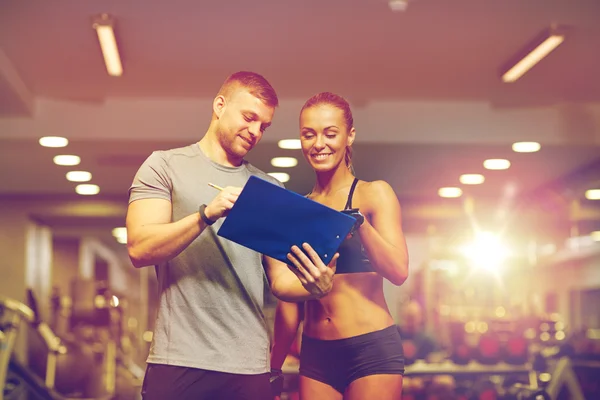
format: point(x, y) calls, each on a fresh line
point(53, 141)
point(284, 162)
point(592, 194)
point(120, 231)
point(526, 147)
point(536, 51)
point(120, 234)
point(398, 5)
point(280, 176)
point(87, 189)
point(496, 164)
point(290, 144)
point(450, 192)
point(472, 179)
point(79, 176)
point(103, 25)
point(67, 160)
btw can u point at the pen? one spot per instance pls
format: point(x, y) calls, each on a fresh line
point(215, 186)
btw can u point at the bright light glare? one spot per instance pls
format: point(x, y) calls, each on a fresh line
point(592, 194)
point(79, 176)
point(67, 159)
point(120, 234)
point(486, 251)
point(54, 141)
point(472, 179)
point(284, 162)
point(291, 144)
point(280, 176)
point(496, 164)
point(87, 189)
point(450, 192)
point(526, 147)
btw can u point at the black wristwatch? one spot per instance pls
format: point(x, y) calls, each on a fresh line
point(360, 218)
point(206, 220)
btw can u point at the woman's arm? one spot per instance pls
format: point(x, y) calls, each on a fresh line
point(287, 320)
point(303, 279)
point(381, 233)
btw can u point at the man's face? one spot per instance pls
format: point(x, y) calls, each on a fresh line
point(243, 119)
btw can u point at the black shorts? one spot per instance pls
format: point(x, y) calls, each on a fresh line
point(339, 362)
point(169, 382)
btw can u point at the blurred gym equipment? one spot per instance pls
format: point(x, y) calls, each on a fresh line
point(60, 368)
point(12, 315)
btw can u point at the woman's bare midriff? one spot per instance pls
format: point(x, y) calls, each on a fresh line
point(354, 306)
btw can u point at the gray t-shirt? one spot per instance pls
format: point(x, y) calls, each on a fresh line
point(211, 294)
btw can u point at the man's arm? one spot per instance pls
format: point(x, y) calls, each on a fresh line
point(287, 321)
point(151, 236)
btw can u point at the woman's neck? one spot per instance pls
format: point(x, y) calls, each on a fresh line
point(332, 181)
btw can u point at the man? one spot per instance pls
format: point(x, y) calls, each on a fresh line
point(211, 340)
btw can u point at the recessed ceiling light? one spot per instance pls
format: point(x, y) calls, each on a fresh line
point(79, 176)
point(284, 162)
point(472, 179)
point(398, 5)
point(450, 192)
point(526, 147)
point(496, 164)
point(54, 141)
point(280, 176)
point(290, 144)
point(86, 189)
point(592, 194)
point(69, 160)
point(120, 234)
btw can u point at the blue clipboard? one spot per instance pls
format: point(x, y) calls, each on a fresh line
point(270, 220)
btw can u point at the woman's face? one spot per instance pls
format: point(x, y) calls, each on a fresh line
point(324, 137)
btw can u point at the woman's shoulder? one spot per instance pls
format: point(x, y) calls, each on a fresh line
point(375, 194)
point(375, 188)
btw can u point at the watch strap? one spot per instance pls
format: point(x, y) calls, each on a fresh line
point(206, 220)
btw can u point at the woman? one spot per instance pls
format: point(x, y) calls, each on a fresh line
point(350, 347)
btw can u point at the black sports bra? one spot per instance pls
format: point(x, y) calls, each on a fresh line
point(353, 257)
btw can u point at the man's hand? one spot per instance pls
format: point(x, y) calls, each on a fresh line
point(315, 276)
point(220, 205)
point(276, 381)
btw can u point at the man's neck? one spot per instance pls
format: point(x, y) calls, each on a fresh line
point(212, 149)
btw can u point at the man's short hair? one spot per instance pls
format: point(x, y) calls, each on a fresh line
point(256, 84)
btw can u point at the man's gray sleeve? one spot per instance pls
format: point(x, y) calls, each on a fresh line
point(152, 180)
